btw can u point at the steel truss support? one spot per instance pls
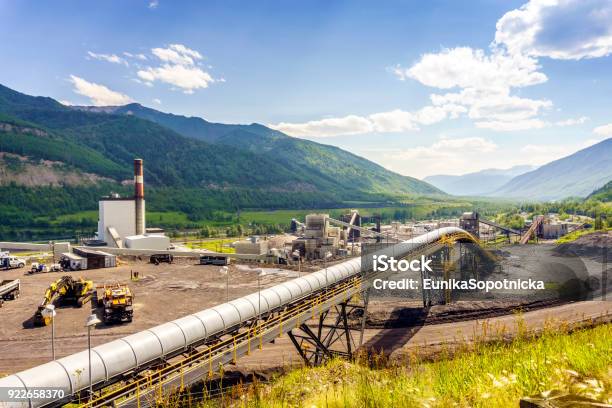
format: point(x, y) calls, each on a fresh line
point(333, 334)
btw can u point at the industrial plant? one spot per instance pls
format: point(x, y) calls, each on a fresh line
point(311, 285)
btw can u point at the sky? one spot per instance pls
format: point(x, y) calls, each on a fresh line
point(422, 88)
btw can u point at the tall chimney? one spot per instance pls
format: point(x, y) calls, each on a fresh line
point(139, 197)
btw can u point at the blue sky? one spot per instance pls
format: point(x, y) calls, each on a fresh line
point(420, 87)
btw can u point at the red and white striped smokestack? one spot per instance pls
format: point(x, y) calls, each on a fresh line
point(139, 197)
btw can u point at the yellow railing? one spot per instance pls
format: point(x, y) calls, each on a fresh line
point(179, 369)
point(312, 307)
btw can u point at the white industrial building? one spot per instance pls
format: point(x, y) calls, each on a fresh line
point(122, 220)
point(116, 219)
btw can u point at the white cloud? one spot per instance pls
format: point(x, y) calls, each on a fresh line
point(177, 54)
point(178, 68)
point(447, 148)
point(539, 154)
point(445, 156)
point(465, 155)
point(604, 130)
point(495, 109)
point(394, 121)
point(509, 126)
point(476, 144)
point(559, 29)
point(157, 101)
point(115, 59)
point(464, 67)
point(525, 124)
point(507, 108)
point(347, 125)
point(185, 77)
point(99, 95)
point(141, 57)
point(572, 121)
point(481, 83)
point(153, 4)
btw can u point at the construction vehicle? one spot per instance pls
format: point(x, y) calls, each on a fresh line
point(159, 258)
point(38, 267)
point(9, 290)
point(64, 291)
point(117, 303)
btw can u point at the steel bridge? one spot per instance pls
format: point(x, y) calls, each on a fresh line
point(142, 369)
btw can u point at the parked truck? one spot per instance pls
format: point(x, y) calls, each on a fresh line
point(7, 261)
point(9, 289)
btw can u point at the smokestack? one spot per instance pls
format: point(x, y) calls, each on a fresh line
point(139, 197)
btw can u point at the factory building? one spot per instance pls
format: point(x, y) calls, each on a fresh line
point(122, 220)
point(116, 219)
point(319, 238)
point(553, 230)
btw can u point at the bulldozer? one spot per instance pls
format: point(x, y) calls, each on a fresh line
point(64, 291)
point(117, 303)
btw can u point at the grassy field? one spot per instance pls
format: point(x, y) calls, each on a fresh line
point(220, 219)
point(217, 245)
point(491, 375)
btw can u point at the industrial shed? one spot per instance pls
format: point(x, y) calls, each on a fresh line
point(73, 261)
point(97, 259)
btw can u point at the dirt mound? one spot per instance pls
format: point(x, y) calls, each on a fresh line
point(591, 245)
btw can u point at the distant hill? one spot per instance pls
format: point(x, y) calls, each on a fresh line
point(477, 183)
point(314, 161)
point(188, 153)
point(603, 194)
point(576, 175)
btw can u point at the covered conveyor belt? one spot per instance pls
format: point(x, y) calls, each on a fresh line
point(532, 231)
point(501, 227)
point(208, 338)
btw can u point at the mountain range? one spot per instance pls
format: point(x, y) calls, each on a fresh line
point(90, 144)
point(478, 183)
point(576, 175)
point(603, 194)
point(46, 143)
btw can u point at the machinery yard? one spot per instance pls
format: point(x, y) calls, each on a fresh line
point(169, 291)
point(185, 285)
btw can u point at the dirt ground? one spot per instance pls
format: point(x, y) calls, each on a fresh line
point(163, 293)
point(428, 339)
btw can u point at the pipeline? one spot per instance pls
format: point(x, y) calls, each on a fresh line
point(136, 352)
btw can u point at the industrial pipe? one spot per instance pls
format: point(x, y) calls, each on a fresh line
point(131, 353)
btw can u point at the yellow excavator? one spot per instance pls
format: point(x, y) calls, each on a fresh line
point(64, 291)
